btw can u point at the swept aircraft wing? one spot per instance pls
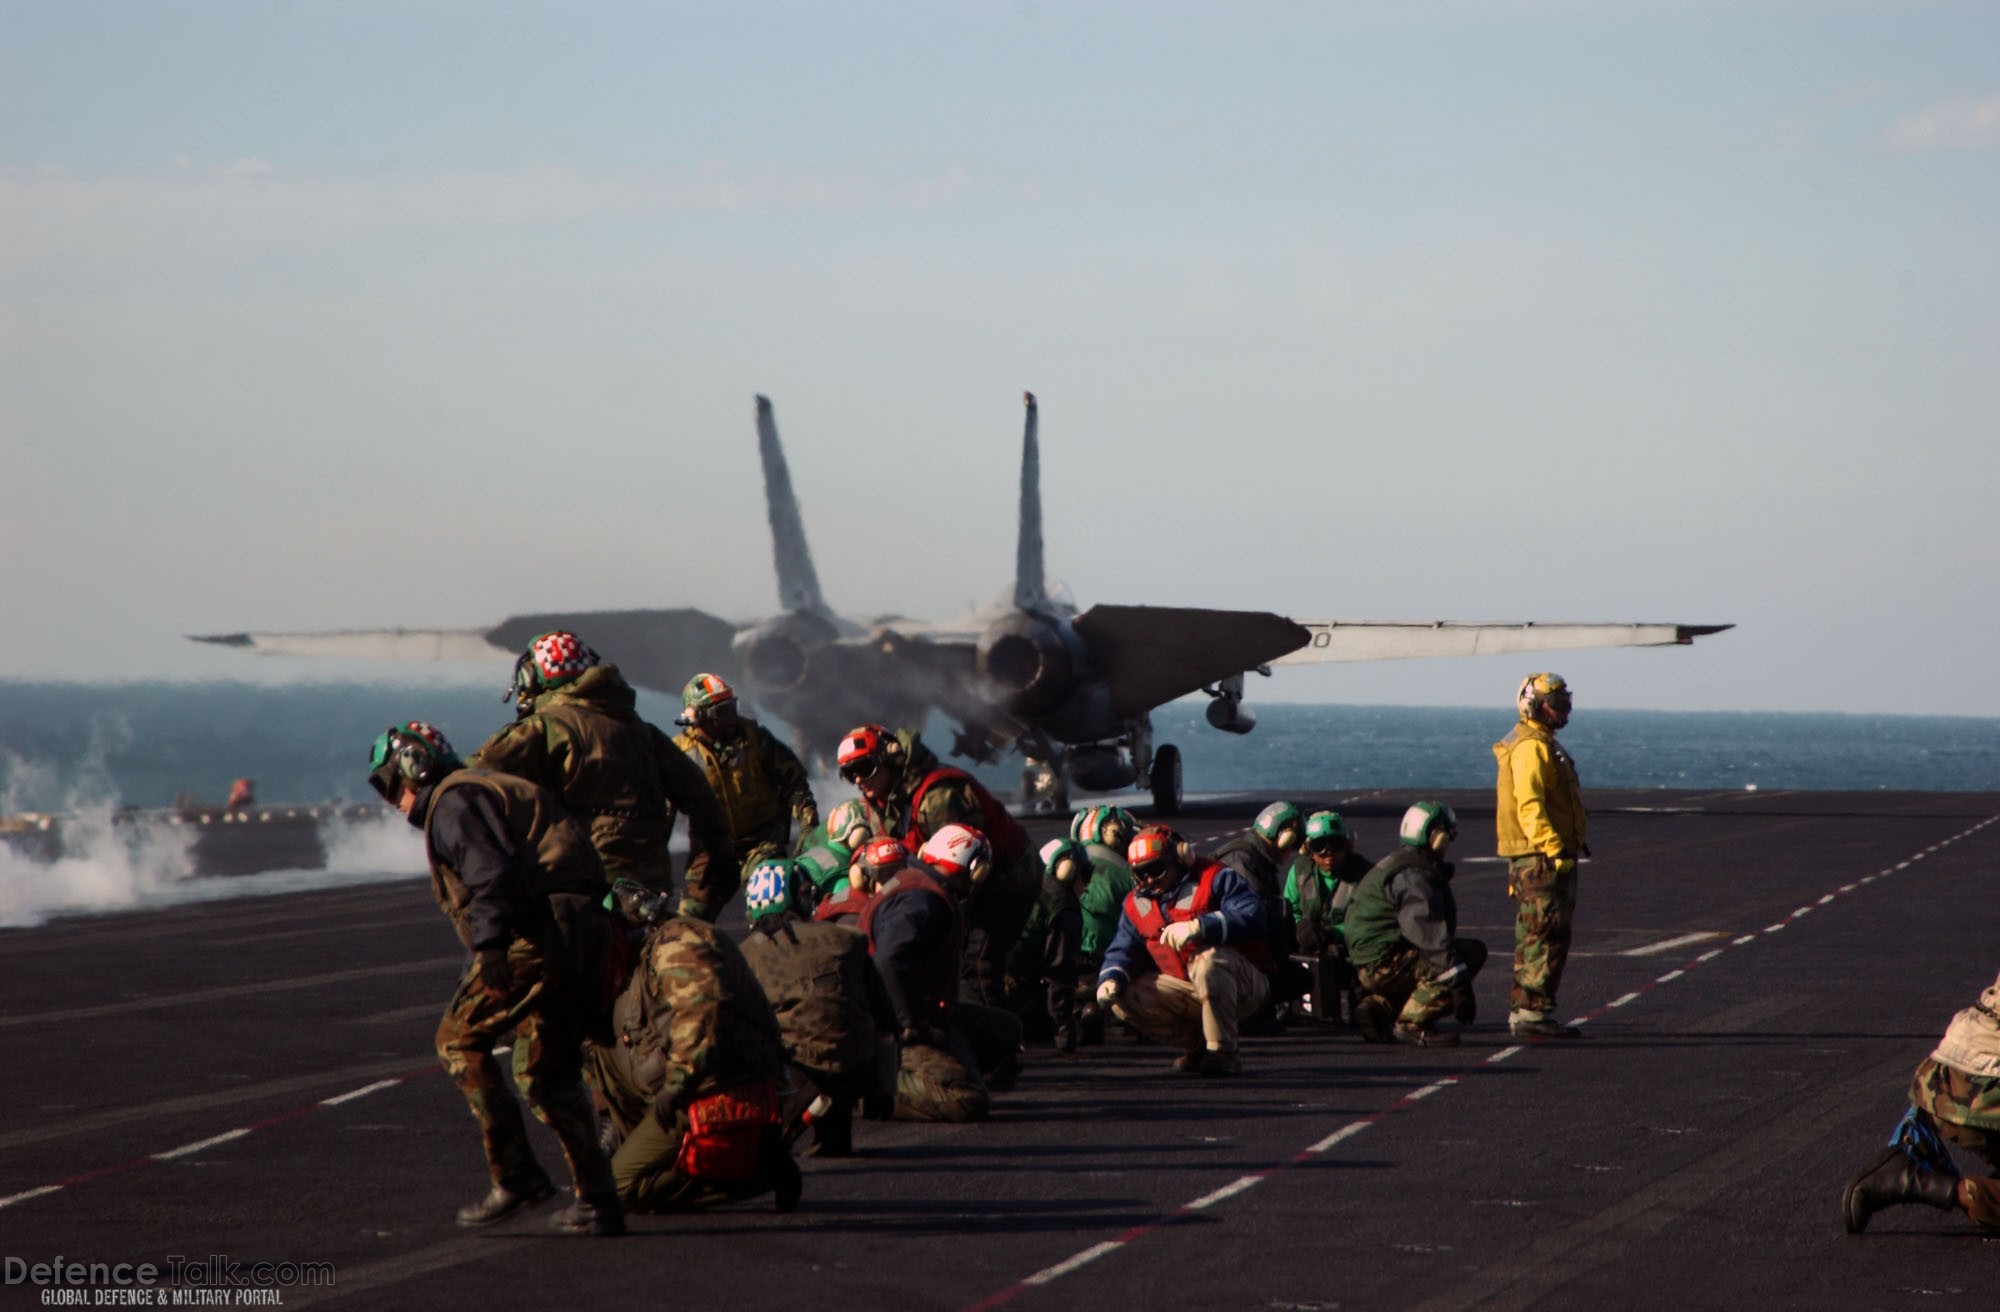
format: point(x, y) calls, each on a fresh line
point(1388, 640)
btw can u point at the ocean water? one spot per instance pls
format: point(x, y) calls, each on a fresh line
point(88, 749)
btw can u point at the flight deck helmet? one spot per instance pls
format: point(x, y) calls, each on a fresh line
point(1544, 698)
point(876, 864)
point(1159, 857)
point(958, 853)
point(709, 701)
point(775, 887)
point(415, 753)
point(1280, 825)
point(1065, 861)
point(1424, 821)
point(865, 749)
point(1111, 826)
point(1326, 833)
point(550, 661)
point(848, 824)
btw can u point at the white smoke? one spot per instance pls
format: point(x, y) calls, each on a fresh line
point(77, 861)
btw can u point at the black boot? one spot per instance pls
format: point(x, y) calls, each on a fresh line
point(833, 1133)
point(503, 1200)
point(591, 1214)
point(1894, 1178)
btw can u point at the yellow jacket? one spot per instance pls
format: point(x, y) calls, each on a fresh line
point(1540, 805)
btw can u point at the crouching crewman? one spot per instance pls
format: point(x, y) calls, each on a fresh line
point(692, 1081)
point(1188, 960)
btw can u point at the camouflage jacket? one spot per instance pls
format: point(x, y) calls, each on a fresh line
point(623, 778)
point(694, 1020)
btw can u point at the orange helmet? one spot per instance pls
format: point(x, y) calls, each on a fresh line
point(1157, 856)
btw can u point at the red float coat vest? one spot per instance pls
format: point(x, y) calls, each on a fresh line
point(1149, 918)
point(1002, 830)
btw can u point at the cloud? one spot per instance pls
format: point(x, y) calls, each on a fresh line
point(1951, 125)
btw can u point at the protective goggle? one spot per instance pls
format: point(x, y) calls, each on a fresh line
point(1154, 871)
point(1327, 843)
point(861, 767)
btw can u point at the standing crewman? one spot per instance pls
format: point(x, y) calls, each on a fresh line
point(579, 735)
point(914, 798)
point(1402, 933)
point(691, 1083)
point(523, 887)
point(760, 783)
point(1045, 964)
point(1188, 962)
point(832, 1010)
point(1542, 834)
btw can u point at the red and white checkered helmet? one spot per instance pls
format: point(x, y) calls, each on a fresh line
point(550, 661)
point(958, 850)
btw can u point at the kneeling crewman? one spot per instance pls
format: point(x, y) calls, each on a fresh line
point(1402, 933)
point(1187, 963)
point(692, 1081)
point(831, 1008)
point(1954, 1097)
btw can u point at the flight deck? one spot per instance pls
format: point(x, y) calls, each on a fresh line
point(1756, 973)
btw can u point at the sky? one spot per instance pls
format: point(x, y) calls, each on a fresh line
point(347, 314)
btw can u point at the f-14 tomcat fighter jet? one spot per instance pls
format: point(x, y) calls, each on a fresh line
point(1072, 691)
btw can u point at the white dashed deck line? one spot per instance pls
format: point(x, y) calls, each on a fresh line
point(1063, 1268)
point(361, 1092)
point(188, 1149)
point(11, 1199)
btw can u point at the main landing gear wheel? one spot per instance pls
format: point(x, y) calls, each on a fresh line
point(1166, 780)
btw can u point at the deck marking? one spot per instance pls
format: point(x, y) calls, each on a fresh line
point(1669, 944)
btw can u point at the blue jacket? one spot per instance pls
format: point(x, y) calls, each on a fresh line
point(1238, 920)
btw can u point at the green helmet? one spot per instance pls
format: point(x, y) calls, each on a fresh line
point(775, 887)
point(1272, 822)
point(1423, 820)
point(1325, 831)
point(705, 692)
point(844, 819)
point(1108, 826)
point(414, 753)
point(1065, 861)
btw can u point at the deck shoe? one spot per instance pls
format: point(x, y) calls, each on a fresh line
point(1541, 1027)
point(1189, 1063)
point(1425, 1036)
point(1373, 1018)
point(591, 1214)
point(503, 1200)
point(1468, 1008)
point(1891, 1179)
point(1221, 1064)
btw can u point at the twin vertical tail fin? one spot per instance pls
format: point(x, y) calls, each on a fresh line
point(1030, 588)
point(798, 582)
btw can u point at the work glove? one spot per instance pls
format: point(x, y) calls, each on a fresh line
point(1178, 935)
point(1108, 991)
point(496, 975)
point(1563, 865)
point(1452, 976)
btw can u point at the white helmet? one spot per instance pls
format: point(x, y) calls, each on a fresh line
point(958, 850)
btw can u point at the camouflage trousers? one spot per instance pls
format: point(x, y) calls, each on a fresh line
point(1403, 979)
point(647, 1170)
point(1542, 927)
point(548, 1019)
point(942, 1083)
point(1201, 1012)
point(707, 891)
point(1951, 1098)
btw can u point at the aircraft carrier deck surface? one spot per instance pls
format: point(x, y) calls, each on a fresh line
point(1757, 974)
